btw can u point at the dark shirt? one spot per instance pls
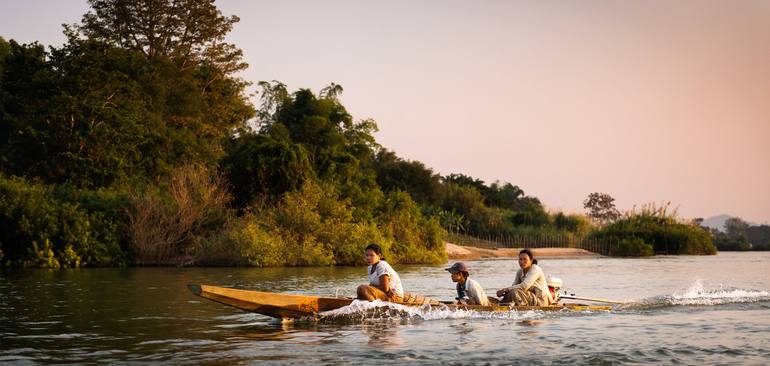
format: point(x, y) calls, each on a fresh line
point(461, 291)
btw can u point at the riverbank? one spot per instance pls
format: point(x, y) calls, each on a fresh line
point(455, 252)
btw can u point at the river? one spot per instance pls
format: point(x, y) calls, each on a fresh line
point(682, 309)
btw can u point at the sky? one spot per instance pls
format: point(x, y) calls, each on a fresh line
point(648, 101)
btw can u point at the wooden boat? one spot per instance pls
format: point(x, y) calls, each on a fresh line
point(297, 306)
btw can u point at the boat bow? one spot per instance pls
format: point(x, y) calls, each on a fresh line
point(268, 303)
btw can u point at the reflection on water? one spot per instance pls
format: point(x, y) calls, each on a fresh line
point(382, 335)
point(682, 311)
point(529, 323)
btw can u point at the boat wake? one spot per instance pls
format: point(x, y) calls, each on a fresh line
point(695, 295)
point(382, 310)
point(699, 295)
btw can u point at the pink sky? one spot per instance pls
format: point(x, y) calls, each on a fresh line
point(649, 101)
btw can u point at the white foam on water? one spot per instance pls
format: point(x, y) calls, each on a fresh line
point(246, 317)
point(387, 310)
point(56, 336)
point(698, 294)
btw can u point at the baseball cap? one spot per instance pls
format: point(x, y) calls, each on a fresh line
point(457, 267)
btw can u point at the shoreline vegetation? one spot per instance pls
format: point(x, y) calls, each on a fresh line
point(136, 146)
point(457, 252)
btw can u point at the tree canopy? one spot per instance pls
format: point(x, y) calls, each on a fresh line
point(601, 208)
point(189, 32)
point(301, 136)
point(100, 111)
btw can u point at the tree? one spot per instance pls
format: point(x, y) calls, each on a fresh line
point(394, 173)
point(141, 87)
point(698, 221)
point(265, 164)
point(573, 223)
point(91, 114)
point(310, 131)
point(450, 220)
point(759, 236)
point(503, 195)
point(468, 181)
point(467, 202)
point(735, 227)
point(601, 208)
point(188, 32)
point(529, 211)
point(26, 91)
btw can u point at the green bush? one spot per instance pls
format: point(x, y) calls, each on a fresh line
point(256, 247)
point(660, 230)
point(415, 238)
point(632, 247)
point(43, 226)
point(308, 227)
point(689, 239)
point(528, 211)
point(726, 243)
point(314, 227)
point(577, 224)
point(758, 247)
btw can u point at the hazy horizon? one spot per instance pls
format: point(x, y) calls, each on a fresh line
point(649, 101)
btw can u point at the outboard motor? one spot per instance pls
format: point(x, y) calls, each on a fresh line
point(554, 285)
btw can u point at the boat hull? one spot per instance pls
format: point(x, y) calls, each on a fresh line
point(268, 303)
point(278, 305)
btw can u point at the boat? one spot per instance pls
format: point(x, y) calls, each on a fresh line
point(292, 306)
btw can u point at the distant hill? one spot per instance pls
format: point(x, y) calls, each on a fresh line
point(716, 222)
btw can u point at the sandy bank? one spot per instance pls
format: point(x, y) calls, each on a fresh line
point(472, 253)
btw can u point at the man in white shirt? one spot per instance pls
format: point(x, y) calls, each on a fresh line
point(469, 292)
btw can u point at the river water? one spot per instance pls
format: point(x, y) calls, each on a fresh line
point(682, 309)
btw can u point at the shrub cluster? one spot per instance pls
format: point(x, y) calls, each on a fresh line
point(313, 226)
point(657, 229)
point(632, 247)
point(41, 226)
point(167, 223)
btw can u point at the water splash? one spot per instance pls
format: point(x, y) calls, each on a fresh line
point(699, 295)
point(383, 310)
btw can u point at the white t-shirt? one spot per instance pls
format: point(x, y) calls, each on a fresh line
point(474, 291)
point(383, 268)
point(533, 278)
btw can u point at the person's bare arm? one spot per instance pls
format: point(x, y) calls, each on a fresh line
point(385, 285)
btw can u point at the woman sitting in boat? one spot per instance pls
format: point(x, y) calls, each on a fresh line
point(469, 292)
point(384, 283)
point(529, 288)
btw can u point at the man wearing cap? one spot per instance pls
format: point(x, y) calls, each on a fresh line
point(469, 292)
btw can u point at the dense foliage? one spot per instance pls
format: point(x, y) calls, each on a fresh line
point(759, 237)
point(114, 151)
point(92, 115)
point(58, 226)
point(654, 230)
point(742, 236)
point(313, 226)
point(307, 187)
